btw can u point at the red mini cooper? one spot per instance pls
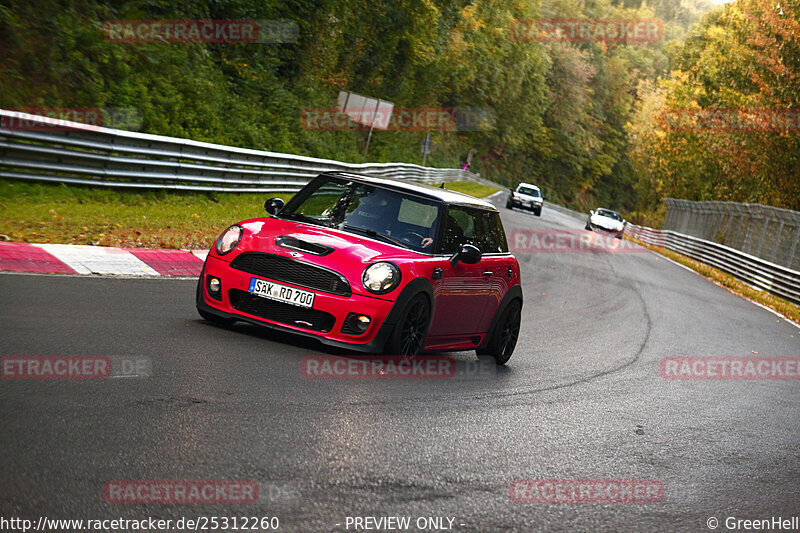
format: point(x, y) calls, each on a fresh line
point(372, 265)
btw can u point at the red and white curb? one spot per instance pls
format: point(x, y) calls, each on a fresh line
point(98, 260)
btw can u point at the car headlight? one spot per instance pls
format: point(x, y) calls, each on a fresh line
point(229, 239)
point(380, 278)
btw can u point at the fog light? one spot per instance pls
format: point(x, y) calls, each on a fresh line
point(213, 285)
point(360, 323)
point(356, 324)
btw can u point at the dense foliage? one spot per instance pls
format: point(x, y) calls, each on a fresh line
point(735, 93)
point(580, 119)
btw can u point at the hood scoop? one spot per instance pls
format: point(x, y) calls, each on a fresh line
point(293, 243)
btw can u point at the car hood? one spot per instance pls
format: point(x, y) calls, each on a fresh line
point(606, 223)
point(260, 235)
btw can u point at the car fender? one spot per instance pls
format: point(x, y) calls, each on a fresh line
point(412, 288)
point(513, 293)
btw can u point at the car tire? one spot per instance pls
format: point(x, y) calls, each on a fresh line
point(509, 205)
point(588, 227)
point(408, 335)
point(220, 321)
point(619, 235)
point(504, 337)
point(538, 212)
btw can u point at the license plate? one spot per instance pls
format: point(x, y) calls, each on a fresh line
point(281, 293)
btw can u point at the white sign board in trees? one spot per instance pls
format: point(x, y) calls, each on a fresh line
point(371, 112)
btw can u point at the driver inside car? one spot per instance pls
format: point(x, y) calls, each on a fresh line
point(377, 211)
point(370, 212)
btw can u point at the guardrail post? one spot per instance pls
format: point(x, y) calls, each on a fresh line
point(708, 221)
point(672, 213)
point(729, 211)
point(790, 262)
point(748, 224)
point(692, 220)
point(763, 233)
point(775, 244)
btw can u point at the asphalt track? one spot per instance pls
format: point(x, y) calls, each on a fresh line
point(582, 398)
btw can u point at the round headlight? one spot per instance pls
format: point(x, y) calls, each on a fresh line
point(380, 278)
point(229, 239)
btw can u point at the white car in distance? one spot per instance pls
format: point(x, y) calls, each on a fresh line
point(526, 196)
point(606, 220)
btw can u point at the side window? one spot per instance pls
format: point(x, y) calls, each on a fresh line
point(494, 238)
point(459, 228)
point(478, 227)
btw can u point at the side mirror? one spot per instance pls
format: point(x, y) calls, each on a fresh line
point(591, 212)
point(274, 205)
point(624, 222)
point(467, 254)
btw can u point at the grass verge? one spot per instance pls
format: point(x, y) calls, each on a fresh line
point(39, 212)
point(478, 190)
point(51, 213)
point(730, 283)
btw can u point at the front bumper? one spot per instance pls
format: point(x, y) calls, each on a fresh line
point(324, 322)
point(595, 227)
point(525, 204)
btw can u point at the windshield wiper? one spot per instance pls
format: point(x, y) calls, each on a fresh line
point(375, 235)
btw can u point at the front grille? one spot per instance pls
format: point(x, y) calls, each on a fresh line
point(291, 315)
point(291, 271)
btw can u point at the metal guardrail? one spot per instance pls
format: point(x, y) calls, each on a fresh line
point(767, 232)
point(755, 271)
point(566, 211)
point(35, 148)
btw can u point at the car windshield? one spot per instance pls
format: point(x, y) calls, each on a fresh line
point(529, 191)
point(609, 214)
point(379, 213)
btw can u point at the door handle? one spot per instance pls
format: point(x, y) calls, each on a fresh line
point(488, 273)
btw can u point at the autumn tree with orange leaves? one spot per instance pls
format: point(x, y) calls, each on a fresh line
point(726, 124)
